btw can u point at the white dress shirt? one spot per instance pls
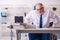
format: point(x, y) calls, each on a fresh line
point(47, 16)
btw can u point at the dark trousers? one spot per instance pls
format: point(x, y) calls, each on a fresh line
point(39, 36)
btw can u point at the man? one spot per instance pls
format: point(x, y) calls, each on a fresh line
point(41, 19)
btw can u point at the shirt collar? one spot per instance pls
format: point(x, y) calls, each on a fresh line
point(39, 13)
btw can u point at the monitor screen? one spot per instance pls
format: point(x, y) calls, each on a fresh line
point(18, 19)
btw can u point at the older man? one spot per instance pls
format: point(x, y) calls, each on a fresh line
point(41, 19)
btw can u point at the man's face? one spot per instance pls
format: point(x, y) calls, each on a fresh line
point(39, 9)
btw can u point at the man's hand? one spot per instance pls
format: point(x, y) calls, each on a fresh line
point(24, 24)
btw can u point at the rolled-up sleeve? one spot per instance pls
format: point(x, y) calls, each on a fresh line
point(55, 18)
point(27, 19)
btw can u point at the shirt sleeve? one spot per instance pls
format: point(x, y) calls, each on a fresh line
point(28, 19)
point(54, 17)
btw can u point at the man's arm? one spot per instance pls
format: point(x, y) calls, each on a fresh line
point(27, 22)
point(54, 17)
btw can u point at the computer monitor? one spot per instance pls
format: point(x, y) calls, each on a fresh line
point(18, 19)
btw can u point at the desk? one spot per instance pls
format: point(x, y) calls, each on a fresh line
point(38, 30)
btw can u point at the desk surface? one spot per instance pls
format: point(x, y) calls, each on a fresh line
point(39, 30)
